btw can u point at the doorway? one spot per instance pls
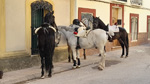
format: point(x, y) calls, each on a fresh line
point(38, 11)
point(36, 21)
point(116, 17)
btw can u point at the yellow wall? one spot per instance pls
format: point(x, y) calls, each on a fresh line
point(62, 12)
point(15, 25)
point(2, 28)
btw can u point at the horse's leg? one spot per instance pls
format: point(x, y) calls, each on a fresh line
point(78, 58)
point(122, 45)
point(69, 58)
point(74, 57)
point(51, 66)
point(101, 65)
point(104, 50)
point(126, 45)
point(42, 64)
point(84, 54)
point(127, 48)
point(51, 61)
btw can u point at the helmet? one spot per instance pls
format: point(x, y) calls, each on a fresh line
point(76, 22)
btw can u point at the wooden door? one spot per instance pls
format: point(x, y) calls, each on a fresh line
point(36, 21)
point(114, 20)
point(114, 15)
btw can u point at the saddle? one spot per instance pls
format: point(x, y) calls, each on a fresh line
point(82, 32)
point(113, 28)
point(111, 32)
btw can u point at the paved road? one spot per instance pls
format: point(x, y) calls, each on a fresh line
point(132, 70)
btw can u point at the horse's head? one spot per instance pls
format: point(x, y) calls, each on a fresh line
point(95, 22)
point(57, 38)
point(98, 23)
point(50, 18)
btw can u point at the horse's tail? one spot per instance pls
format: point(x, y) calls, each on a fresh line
point(127, 39)
point(47, 62)
point(49, 55)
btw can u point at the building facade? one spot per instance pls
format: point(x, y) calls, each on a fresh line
point(17, 21)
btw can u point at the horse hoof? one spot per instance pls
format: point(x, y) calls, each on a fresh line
point(100, 68)
point(121, 57)
point(126, 56)
point(74, 67)
point(99, 55)
point(78, 66)
point(42, 77)
point(49, 75)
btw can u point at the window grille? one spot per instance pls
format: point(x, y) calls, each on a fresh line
point(137, 2)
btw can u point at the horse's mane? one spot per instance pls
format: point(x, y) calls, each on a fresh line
point(101, 24)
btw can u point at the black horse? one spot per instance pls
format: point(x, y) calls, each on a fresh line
point(121, 36)
point(46, 43)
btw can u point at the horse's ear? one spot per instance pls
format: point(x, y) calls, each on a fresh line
point(52, 12)
point(93, 16)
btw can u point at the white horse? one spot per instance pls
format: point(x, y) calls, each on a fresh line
point(95, 38)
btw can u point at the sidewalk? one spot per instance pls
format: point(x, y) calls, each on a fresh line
point(35, 72)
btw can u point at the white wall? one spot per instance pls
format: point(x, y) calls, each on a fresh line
point(15, 25)
point(142, 18)
point(146, 4)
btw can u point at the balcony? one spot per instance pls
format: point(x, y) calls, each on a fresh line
point(119, 1)
point(136, 2)
point(123, 0)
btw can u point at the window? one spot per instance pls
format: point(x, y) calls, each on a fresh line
point(148, 26)
point(137, 2)
point(86, 16)
point(134, 26)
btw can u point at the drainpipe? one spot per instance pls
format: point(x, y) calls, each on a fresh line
point(73, 10)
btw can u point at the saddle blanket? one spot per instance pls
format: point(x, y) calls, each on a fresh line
point(113, 28)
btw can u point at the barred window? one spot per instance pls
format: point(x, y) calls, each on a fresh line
point(134, 28)
point(87, 19)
